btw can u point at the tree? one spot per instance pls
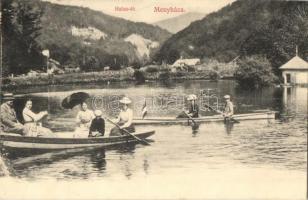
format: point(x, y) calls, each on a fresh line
point(278, 39)
point(254, 72)
point(20, 28)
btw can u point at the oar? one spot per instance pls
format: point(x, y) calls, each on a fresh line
point(140, 140)
point(220, 112)
point(195, 125)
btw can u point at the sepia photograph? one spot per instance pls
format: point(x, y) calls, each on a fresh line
point(153, 99)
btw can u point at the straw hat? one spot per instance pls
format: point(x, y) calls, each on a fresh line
point(98, 113)
point(125, 100)
point(227, 97)
point(8, 96)
point(191, 97)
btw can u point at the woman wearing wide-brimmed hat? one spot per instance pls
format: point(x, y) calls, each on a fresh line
point(193, 108)
point(124, 120)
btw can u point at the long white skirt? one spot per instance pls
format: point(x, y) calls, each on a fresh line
point(34, 130)
point(81, 132)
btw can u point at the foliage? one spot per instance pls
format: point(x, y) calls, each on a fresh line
point(152, 68)
point(223, 69)
point(139, 76)
point(20, 29)
point(90, 54)
point(254, 72)
point(277, 40)
point(271, 28)
point(213, 75)
point(164, 76)
point(180, 74)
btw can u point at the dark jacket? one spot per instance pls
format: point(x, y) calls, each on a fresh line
point(97, 124)
point(194, 110)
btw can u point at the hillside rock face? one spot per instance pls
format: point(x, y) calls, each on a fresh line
point(143, 46)
point(91, 40)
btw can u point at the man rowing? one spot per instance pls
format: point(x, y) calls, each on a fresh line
point(193, 108)
point(228, 109)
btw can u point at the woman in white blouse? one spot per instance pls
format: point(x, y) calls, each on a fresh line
point(84, 116)
point(83, 120)
point(32, 122)
point(124, 120)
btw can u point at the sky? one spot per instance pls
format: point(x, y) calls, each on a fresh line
point(143, 10)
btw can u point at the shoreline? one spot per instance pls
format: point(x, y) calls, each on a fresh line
point(99, 77)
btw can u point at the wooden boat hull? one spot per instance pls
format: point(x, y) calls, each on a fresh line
point(214, 118)
point(13, 141)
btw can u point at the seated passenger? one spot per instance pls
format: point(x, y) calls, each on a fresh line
point(32, 122)
point(193, 108)
point(124, 120)
point(97, 127)
point(9, 122)
point(83, 119)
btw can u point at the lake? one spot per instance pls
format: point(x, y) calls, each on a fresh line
point(252, 159)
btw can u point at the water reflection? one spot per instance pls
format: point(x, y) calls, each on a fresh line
point(229, 126)
point(295, 101)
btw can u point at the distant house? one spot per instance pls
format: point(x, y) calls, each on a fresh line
point(186, 62)
point(295, 71)
point(182, 64)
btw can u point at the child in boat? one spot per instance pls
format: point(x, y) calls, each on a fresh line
point(97, 127)
point(193, 110)
point(124, 120)
point(32, 123)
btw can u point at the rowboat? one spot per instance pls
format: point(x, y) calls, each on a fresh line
point(215, 118)
point(17, 142)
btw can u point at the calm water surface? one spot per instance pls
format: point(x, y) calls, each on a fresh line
point(279, 145)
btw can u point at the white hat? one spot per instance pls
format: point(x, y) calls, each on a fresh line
point(125, 100)
point(191, 97)
point(98, 113)
point(227, 97)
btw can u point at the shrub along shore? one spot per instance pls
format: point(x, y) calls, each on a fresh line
point(108, 76)
point(210, 70)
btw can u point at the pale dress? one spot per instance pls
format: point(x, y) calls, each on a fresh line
point(83, 119)
point(125, 120)
point(32, 126)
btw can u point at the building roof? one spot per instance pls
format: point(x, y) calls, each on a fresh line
point(295, 63)
point(192, 61)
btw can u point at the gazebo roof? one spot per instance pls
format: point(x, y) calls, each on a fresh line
point(295, 63)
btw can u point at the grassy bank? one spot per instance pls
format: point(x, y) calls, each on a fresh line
point(61, 79)
point(152, 72)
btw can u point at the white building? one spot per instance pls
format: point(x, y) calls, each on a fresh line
point(295, 71)
point(186, 62)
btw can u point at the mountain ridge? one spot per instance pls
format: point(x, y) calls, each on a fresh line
point(178, 23)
